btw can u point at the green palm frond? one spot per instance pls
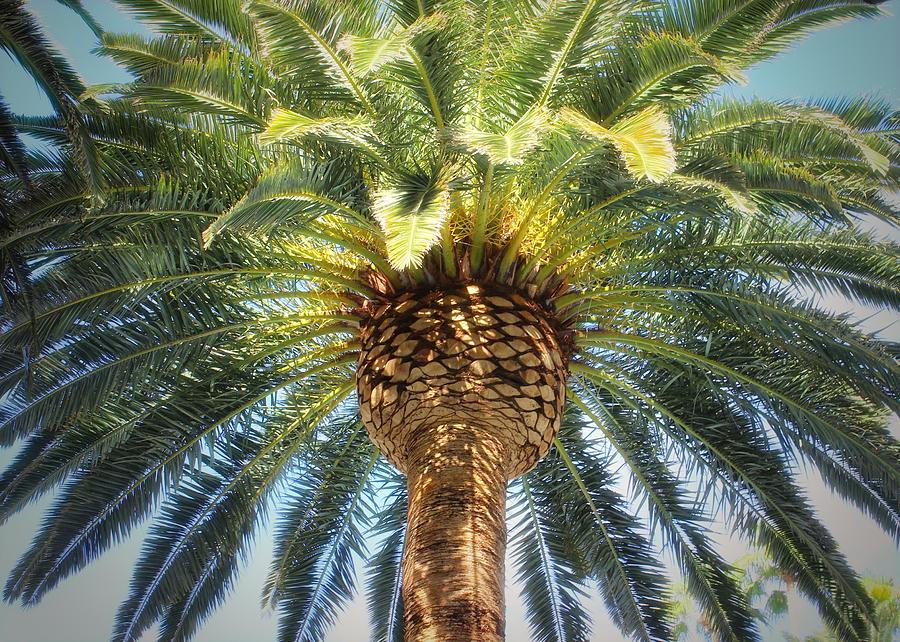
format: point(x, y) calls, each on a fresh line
point(312, 575)
point(22, 39)
point(551, 44)
point(13, 154)
point(301, 39)
point(384, 576)
point(611, 549)
point(643, 140)
point(551, 589)
point(747, 31)
point(707, 574)
point(142, 55)
point(285, 125)
point(652, 68)
point(290, 195)
point(768, 510)
point(211, 20)
point(510, 146)
point(189, 542)
point(209, 85)
point(411, 212)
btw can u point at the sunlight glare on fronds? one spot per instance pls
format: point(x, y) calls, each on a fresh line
point(644, 140)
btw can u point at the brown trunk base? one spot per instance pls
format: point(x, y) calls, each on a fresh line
point(453, 584)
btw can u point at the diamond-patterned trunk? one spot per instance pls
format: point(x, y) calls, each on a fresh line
point(462, 390)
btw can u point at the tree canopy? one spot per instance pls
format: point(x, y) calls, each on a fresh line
point(185, 268)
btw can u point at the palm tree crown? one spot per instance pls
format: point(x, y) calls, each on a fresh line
point(280, 172)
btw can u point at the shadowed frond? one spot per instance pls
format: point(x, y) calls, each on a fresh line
point(551, 589)
point(384, 575)
point(312, 573)
point(606, 540)
point(708, 576)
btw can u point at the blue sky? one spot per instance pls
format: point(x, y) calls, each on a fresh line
point(861, 58)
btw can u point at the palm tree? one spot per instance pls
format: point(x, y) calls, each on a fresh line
point(885, 623)
point(505, 248)
point(764, 585)
point(765, 588)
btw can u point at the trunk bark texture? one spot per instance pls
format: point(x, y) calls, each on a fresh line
point(461, 389)
point(453, 577)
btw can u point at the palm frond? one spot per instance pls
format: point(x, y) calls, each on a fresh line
point(611, 550)
point(301, 38)
point(214, 21)
point(709, 577)
point(551, 589)
point(644, 140)
point(189, 552)
point(312, 574)
point(288, 196)
point(384, 575)
point(411, 213)
point(22, 38)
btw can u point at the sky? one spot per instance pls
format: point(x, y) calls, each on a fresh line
point(859, 58)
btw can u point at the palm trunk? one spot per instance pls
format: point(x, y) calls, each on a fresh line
point(462, 390)
point(453, 566)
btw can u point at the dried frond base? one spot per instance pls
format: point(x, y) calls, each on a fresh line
point(467, 355)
